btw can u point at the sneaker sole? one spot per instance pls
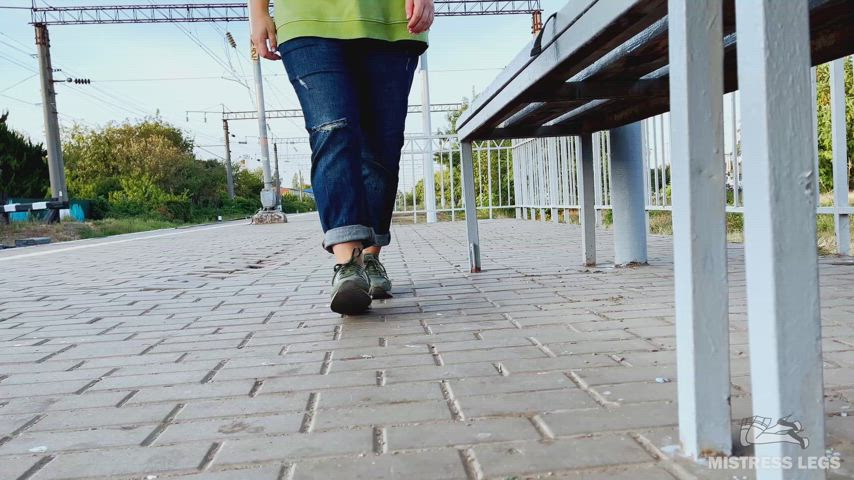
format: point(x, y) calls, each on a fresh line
point(380, 293)
point(350, 300)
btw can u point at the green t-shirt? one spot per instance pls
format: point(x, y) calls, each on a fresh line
point(344, 19)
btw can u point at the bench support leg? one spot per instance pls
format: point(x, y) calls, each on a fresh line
point(586, 201)
point(699, 226)
point(627, 195)
point(470, 200)
point(840, 156)
point(780, 227)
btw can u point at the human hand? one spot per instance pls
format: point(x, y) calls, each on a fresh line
point(263, 31)
point(420, 15)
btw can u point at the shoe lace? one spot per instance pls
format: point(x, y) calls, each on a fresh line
point(375, 267)
point(348, 269)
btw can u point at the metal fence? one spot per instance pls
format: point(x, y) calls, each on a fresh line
point(537, 178)
point(493, 177)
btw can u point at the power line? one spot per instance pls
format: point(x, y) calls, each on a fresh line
point(17, 63)
point(19, 100)
point(18, 83)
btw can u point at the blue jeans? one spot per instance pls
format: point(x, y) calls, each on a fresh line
point(354, 96)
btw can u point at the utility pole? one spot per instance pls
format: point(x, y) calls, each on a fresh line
point(268, 198)
point(429, 187)
point(56, 165)
point(301, 185)
point(229, 175)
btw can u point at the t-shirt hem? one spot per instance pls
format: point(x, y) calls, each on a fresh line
point(347, 30)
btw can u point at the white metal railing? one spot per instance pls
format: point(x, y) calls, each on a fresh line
point(493, 177)
point(537, 178)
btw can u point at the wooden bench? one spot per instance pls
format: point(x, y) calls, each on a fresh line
point(605, 65)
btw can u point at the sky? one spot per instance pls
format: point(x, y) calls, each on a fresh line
point(179, 70)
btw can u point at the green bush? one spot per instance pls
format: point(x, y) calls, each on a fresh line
point(292, 204)
point(125, 208)
point(176, 210)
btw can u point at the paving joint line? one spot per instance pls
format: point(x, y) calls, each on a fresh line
point(310, 412)
point(209, 457)
point(380, 440)
point(287, 471)
point(23, 428)
point(169, 420)
point(664, 461)
point(256, 388)
point(471, 465)
point(594, 394)
point(151, 347)
point(542, 427)
point(245, 340)
point(37, 467)
point(62, 350)
point(210, 376)
point(327, 363)
point(437, 357)
point(94, 382)
point(453, 405)
point(543, 348)
point(126, 398)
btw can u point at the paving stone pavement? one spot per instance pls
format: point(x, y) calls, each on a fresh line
point(210, 353)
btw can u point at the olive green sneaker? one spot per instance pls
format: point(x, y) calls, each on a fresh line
point(350, 287)
point(380, 284)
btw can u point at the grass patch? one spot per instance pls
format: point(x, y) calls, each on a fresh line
point(661, 223)
point(67, 230)
point(119, 226)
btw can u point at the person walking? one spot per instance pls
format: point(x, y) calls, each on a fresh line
point(351, 63)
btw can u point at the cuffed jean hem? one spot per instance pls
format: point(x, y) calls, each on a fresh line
point(382, 239)
point(348, 233)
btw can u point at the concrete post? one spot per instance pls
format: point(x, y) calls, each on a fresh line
point(229, 174)
point(627, 195)
point(53, 145)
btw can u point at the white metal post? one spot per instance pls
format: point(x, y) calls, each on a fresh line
point(429, 182)
point(699, 225)
point(554, 178)
point(627, 194)
point(586, 201)
point(515, 156)
point(780, 228)
point(840, 156)
point(597, 175)
point(470, 202)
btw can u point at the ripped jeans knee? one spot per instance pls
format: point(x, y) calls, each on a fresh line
point(330, 126)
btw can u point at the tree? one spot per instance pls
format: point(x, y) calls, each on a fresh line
point(249, 183)
point(492, 168)
point(23, 165)
point(97, 159)
point(825, 149)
